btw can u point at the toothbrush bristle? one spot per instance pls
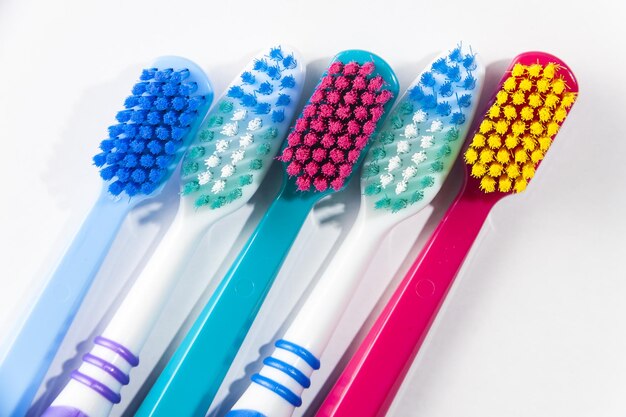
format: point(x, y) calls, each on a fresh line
point(238, 140)
point(335, 126)
point(417, 145)
point(518, 128)
point(141, 150)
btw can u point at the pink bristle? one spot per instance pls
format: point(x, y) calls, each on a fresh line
point(310, 139)
point(302, 125)
point(318, 125)
point(351, 68)
point(343, 112)
point(335, 68)
point(361, 113)
point(319, 155)
point(368, 98)
point(337, 183)
point(312, 169)
point(302, 154)
point(309, 111)
point(353, 155)
point(376, 113)
point(375, 83)
point(337, 156)
point(328, 141)
point(318, 96)
point(329, 169)
point(384, 96)
point(287, 155)
point(354, 127)
point(333, 97)
point(326, 111)
point(359, 83)
point(350, 98)
point(345, 170)
point(344, 142)
point(369, 127)
point(303, 183)
point(341, 83)
point(360, 142)
point(320, 184)
point(367, 69)
point(326, 82)
point(335, 126)
point(294, 168)
point(294, 139)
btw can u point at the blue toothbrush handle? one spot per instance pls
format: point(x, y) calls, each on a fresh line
point(31, 352)
point(192, 377)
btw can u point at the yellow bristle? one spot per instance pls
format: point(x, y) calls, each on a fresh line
point(494, 141)
point(510, 112)
point(549, 70)
point(512, 171)
point(568, 99)
point(495, 170)
point(534, 70)
point(545, 114)
point(520, 185)
point(544, 143)
point(536, 128)
point(558, 86)
point(543, 85)
point(521, 156)
point(553, 127)
point(478, 170)
point(502, 126)
point(525, 84)
point(503, 156)
point(511, 141)
point(471, 155)
point(536, 156)
point(494, 111)
point(486, 155)
point(529, 143)
point(478, 141)
point(534, 100)
point(518, 70)
point(551, 100)
point(504, 184)
point(560, 114)
point(502, 97)
point(528, 171)
point(509, 84)
point(518, 128)
point(488, 184)
point(527, 113)
point(519, 98)
point(485, 126)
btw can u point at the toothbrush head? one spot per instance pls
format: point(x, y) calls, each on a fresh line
point(331, 135)
point(243, 132)
point(155, 127)
point(415, 149)
point(524, 116)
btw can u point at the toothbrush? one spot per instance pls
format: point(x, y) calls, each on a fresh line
point(222, 169)
point(136, 160)
point(525, 114)
point(403, 171)
point(323, 149)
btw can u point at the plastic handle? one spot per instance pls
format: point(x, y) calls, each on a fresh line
point(38, 340)
point(369, 383)
point(190, 380)
point(96, 385)
point(276, 390)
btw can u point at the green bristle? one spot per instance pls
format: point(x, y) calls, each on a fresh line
point(378, 153)
point(214, 121)
point(271, 133)
point(398, 205)
point(427, 181)
point(397, 122)
point(190, 167)
point(226, 107)
point(245, 180)
point(190, 187)
point(206, 136)
point(235, 194)
point(436, 166)
point(203, 200)
point(196, 152)
point(452, 135)
point(386, 138)
point(383, 203)
point(416, 196)
point(373, 189)
point(444, 151)
point(256, 164)
point(405, 108)
point(370, 170)
point(218, 202)
point(264, 149)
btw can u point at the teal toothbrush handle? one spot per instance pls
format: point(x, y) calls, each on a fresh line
point(189, 382)
point(31, 352)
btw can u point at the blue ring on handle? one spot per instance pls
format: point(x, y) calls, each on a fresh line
point(277, 389)
point(292, 371)
point(299, 351)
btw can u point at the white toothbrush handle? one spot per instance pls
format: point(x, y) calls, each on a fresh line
point(95, 386)
point(275, 391)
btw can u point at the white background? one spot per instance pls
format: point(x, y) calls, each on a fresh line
point(535, 323)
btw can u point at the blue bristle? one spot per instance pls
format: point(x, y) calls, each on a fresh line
point(469, 62)
point(163, 75)
point(122, 174)
point(155, 147)
point(154, 88)
point(454, 73)
point(146, 132)
point(170, 89)
point(107, 173)
point(145, 102)
point(100, 159)
point(186, 89)
point(122, 145)
point(456, 55)
point(113, 158)
point(273, 72)
point(138, 116)
point(290, 62)
point(440, 66)
point(247, 78)
point(148, 187)
point(170, 148)
point(283, 100)
point(458, 118)
point(469, 83)
point(248, 100)
point(265, 88)
point(139, 175)
point(164, 161)
point(179, 103)
point(178, 133)
point(443, 109)
point(130, 130)
point(153, 118)
point(278, 116)
point(446, 89)
point(107, 145)
point(465, 100)
point(427, 79)
point(430, 101)
point(147, 74)
point(416, 93)
point(131, 189)
point(116, 188)
point(130, 161)
point(131, 101)
point(140, 88)
point(263, 108)
point(259, 65)
point(276, 54)
point(115, 131)
point(288, 82)
point(147, 161)
point(138, 146)
point(162, 132)
point(235, 92)
point(161, 103)
point(194, 103)
point(186, 118)
point(170, 118)
point(156, 174)
point(124, 116)
point(180, 75)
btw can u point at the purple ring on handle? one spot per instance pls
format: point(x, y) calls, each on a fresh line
point(99, 387)
point(117, 348)
point(107, 367)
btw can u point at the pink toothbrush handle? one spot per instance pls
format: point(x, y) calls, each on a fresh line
point(369, 383)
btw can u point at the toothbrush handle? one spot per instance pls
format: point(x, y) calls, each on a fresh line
point(187, 385)
point(95, 386)
point(371, 379)
point(39, 338)
point(276, 390)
